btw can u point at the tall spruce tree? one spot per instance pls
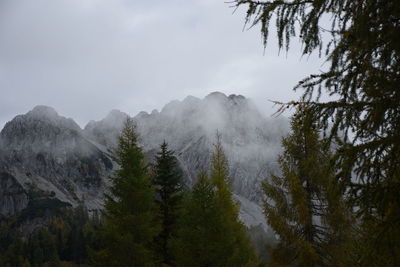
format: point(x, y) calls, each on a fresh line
point(130, 224)
point(210, 232)
point(304, 205)
point(363, 76)
point(169, 192)
point(236, 243)
point(196, 244)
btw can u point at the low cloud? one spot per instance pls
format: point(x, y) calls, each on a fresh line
point(86, 57)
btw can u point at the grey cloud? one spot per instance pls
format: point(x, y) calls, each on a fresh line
point(87, 57)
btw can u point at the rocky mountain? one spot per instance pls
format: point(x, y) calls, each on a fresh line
point(43, 153)
point(46, 151)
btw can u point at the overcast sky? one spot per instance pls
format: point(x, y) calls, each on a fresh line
point(86, 57)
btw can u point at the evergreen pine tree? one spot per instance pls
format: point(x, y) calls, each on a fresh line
point(168, 185)
point(210, 233)
point(304, 206)
point(196, 243)
point(129, 216)
point(235, 242)
point(362, 76)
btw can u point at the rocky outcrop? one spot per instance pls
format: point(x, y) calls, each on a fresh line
point(13, 197)
point(106, 131)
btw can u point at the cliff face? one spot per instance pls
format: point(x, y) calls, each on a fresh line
point(49, 151)
point(44, 150)
point(13, 196)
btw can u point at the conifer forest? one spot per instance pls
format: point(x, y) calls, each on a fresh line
point(330, 197)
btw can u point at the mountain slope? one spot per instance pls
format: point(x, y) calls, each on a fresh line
point(42, 151)
point(250, 140)
point(48, 151)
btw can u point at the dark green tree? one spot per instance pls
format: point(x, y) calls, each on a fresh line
point(169, 191)
point(62, 240)
point(210, 233)
point(130, 224)
point(363, 77)
point(304, 205)
point(195, 244)
point(71, 232)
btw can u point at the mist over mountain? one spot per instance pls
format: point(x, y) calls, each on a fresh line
point(251, 141)
point(43, 151)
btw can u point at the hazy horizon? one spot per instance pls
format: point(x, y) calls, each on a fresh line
point(84, 123)
point(85, 58)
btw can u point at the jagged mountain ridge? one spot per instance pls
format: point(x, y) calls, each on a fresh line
point(250, 140)
point(52, 153)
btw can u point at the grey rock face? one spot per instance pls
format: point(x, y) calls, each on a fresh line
point(250, 140)
point(106, 131)
point(52, 152)
point(13, 197)
point(48, 150)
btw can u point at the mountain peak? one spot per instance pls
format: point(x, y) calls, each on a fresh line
point(37, 121)
point(50, 115)
point(42, 111)
point(107, 130)
point(222, 98)
point(114, 119)
point(116, 114)
point(216, 95)
point(39, 129)
point(236, 97)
